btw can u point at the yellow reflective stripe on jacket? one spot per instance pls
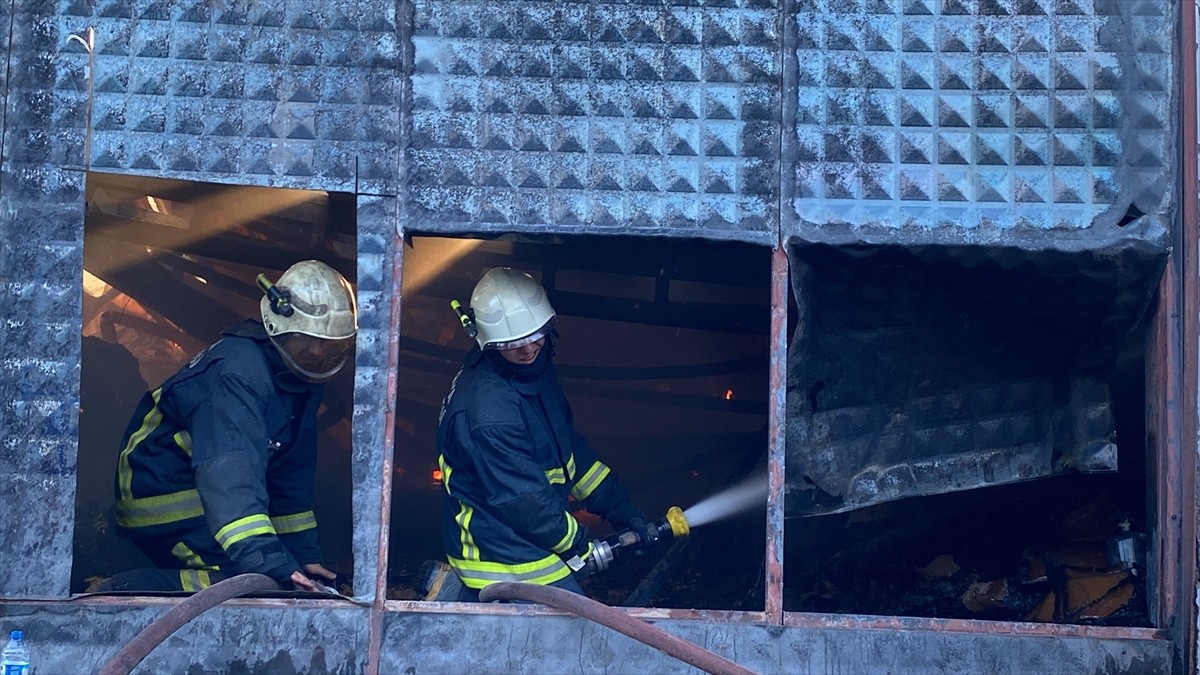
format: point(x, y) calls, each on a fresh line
point(469, 550)
point(184, 440)
point(558, 475)
point(159, 510)
point(296, 522)
point(477, 574)
point(569, 538)
point(194, 580)
point(190, 558)
point(590, 481)
point(242, 528)
point(149, 423)
point(445, 472)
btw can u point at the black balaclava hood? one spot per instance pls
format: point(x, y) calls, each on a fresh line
point(518, 371)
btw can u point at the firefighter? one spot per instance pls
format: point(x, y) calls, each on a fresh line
point(510, 456)
point(216, 466)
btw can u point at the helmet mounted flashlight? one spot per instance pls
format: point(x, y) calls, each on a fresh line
point(466, 318)
point(281, 304)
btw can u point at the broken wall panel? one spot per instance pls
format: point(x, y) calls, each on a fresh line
point(589, 117)
point(6, 14)
point(41, 251)
point(997, 132)
point(1037, 124)
point(290, 93)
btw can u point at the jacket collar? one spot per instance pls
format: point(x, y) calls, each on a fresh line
point(530, 380)
point(284, 377)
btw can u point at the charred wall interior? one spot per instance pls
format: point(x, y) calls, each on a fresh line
point(921, 371)
point(948, 371)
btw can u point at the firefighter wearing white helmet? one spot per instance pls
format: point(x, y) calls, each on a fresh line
point(215, 472)
point(510, 456)
point(311, 318)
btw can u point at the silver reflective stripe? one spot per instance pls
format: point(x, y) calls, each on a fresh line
point(160, 509)
point(242, 528)
point(296, 522)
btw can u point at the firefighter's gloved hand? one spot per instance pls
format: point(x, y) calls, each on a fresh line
point(301, 582)
point(625, 515)
point(271, 559)
point(647, 533)
point(322, 580)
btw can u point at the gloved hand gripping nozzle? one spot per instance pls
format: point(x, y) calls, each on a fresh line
point(604, 551)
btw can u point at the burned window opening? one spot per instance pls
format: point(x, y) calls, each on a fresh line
point(664, 358)
point(982, 429)
point(168, 265)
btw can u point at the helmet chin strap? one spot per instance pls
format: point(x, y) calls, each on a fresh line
point(307, 375)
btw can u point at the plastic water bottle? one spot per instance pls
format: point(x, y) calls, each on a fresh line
point(14, 660)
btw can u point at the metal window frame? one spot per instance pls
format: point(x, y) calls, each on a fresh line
point(773, 613)
point(1172, 361)
point(1171, 390)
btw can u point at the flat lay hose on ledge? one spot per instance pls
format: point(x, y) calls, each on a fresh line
point(161, 628)
point(646, 633)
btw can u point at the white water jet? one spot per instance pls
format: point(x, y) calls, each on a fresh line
point(744, 496)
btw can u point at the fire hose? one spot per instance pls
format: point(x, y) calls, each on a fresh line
point(132, 654)
point(161, 628)
point(603, 552)
point(689, 653)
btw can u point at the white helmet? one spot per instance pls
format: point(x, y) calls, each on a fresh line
point(311, 318)
point(510, 309)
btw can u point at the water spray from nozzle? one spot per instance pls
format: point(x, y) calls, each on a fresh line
point(677, 523)
point(742, 497)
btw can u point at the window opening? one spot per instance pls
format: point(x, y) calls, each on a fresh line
point(663, 356)
point(966, 434)
point(168, 265)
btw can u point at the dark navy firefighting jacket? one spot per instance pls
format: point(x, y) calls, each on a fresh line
point(511, 460)
point(228, 444)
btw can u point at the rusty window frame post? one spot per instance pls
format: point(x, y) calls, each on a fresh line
point(1181, 464)
point(776, 438)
